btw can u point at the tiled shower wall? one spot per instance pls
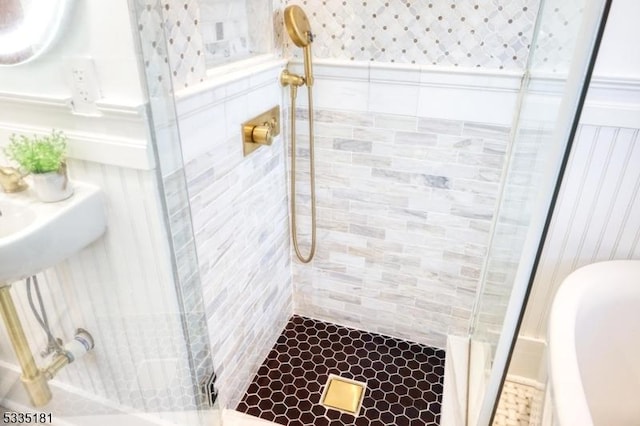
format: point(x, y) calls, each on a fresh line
point(406, 197)
point(405, 263)
point(233, 30)
point(487, 34)
point(405, 205)
point(240, 219)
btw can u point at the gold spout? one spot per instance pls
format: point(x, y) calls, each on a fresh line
point(11, 180)
point(32, 378)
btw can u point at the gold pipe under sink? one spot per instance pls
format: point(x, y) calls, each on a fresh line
point(33, 378)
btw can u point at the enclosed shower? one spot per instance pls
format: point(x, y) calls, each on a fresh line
point(356, 253)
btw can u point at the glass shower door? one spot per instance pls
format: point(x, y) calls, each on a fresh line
point(558, 72)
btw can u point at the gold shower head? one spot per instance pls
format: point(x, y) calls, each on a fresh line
point(299, 29)
point(298, 26)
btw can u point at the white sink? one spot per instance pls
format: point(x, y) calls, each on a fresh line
point(36, 236)
point(14, 218)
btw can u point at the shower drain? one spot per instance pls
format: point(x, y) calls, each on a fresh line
point(344, 395)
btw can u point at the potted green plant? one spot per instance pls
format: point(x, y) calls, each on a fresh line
point(43, 157)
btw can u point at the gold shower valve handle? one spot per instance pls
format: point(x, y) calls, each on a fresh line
point(262, 134)
point(260, 130)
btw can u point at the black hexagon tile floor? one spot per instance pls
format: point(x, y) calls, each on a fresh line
point(403, 379)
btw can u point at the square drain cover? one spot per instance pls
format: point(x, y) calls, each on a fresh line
point(343, 394)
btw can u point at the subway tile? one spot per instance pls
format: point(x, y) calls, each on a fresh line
point(391, 175)
point(441, 182)
point(486, 131)
point(414, 139)
point(367, 231)
point(439, 126)
point(460, 143)
point(372, 134)
point(352, 145)
point(484, 160)
point(349, 118)
point(395, 122)
point(371, 160)
point(494, 147)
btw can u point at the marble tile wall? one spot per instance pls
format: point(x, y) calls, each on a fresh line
point(240, 220)
point(194, 35)
point(405, 206)
point(560, 26)
point(520, 195)
point(486, 34)
point(233, 30)
point(225, 30)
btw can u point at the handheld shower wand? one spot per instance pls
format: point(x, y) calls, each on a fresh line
point(299, 30)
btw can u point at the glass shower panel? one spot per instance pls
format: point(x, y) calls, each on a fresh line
point(556, 72)
point(159, 26)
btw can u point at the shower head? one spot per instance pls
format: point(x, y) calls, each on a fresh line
point(298, 26)
point(299, 30)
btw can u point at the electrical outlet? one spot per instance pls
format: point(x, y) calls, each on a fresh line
point(83, 81)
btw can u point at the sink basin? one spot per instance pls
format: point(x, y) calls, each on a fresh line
point(14, 218)
point(35, 236)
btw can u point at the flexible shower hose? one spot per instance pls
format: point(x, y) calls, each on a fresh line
point(312, 177)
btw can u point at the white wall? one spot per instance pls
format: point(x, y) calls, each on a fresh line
point(619, 54)
point(97, 29)
point(34, 97)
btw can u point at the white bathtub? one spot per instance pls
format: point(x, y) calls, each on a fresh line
point(594, 346)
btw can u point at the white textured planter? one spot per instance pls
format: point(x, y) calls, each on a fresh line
point(53, 186)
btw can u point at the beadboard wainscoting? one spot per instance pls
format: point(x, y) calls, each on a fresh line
point(597, 216)
point(120, 288)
